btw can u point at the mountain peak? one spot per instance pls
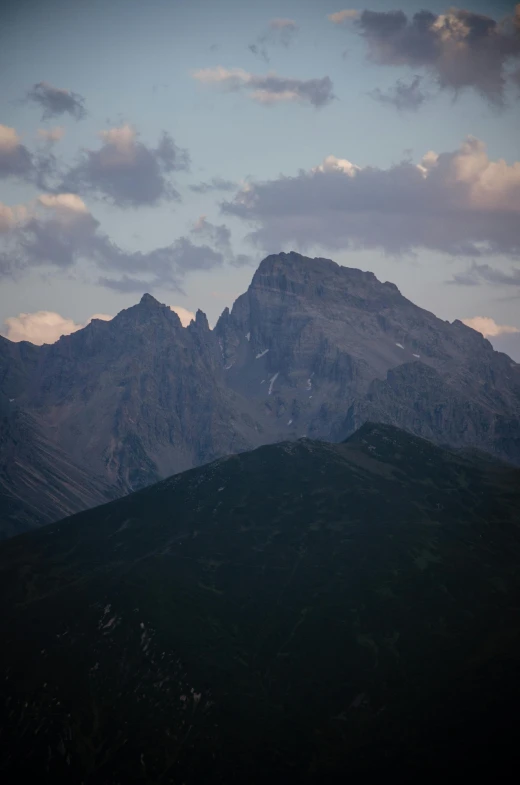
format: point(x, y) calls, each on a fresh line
point(149, 301)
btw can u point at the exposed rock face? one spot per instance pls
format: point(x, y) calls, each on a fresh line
point(136, 398)
point(343, 348)
point(311, 349)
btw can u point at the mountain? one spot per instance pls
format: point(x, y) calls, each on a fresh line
point(338, 348)
point(38, 480)
point(301, 613)
point(312, 348)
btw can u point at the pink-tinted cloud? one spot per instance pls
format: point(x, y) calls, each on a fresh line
point(43, 326)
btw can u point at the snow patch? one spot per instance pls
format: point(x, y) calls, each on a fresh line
point(227, 367)
point(261, 354)
point(290, 421)
point(417, 355)
point(400, 345)
point(221, 489)
point(248, 337)
point(272, 381)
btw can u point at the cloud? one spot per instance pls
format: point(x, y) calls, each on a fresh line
point(10, 217)
point(184, 315)
point(59, 231)
point(56, 101)
point(269, 89)
point(215, 184)
point(459, 49)
point(404, 96)
point(343, 17)
point(278, 32)
point(488, 327)
point(458, 202)
point(43, 326)
point(15, 158)
point(51, 135)
point(478, 274)
point(127, 172)
point(220, 236)
point(165, 267)
point(16, 161)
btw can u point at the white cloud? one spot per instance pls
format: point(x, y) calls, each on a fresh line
point(9, 139)
point(184, 315)
point(488, 327)
point(121, 145)
point(43, 326)
point(63, 202)
point(333, 164)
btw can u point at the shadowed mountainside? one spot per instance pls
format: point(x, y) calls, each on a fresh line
point(38, 480)
point(300, 613)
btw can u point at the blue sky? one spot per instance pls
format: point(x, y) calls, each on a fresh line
point(133, 63)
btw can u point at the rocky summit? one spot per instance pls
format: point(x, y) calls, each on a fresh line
point(311, 349)
point(302, 613)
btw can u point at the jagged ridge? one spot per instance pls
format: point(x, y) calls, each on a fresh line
point(312, 348)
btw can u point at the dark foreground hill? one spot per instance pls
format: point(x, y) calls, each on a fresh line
point(302, 613)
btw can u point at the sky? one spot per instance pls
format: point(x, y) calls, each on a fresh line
point(168, 146)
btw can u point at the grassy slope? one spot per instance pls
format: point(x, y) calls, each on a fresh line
point(290, 613)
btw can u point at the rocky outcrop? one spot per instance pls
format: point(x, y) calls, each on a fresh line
point(343, 347)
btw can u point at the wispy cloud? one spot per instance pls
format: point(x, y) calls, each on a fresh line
point(269, 89)
point(404, 96)
point(55, 101)
point(478, 274)
point(215, 184)
point(220, 237)
point(343, 17)
point(278, 32)
point(51, 135)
